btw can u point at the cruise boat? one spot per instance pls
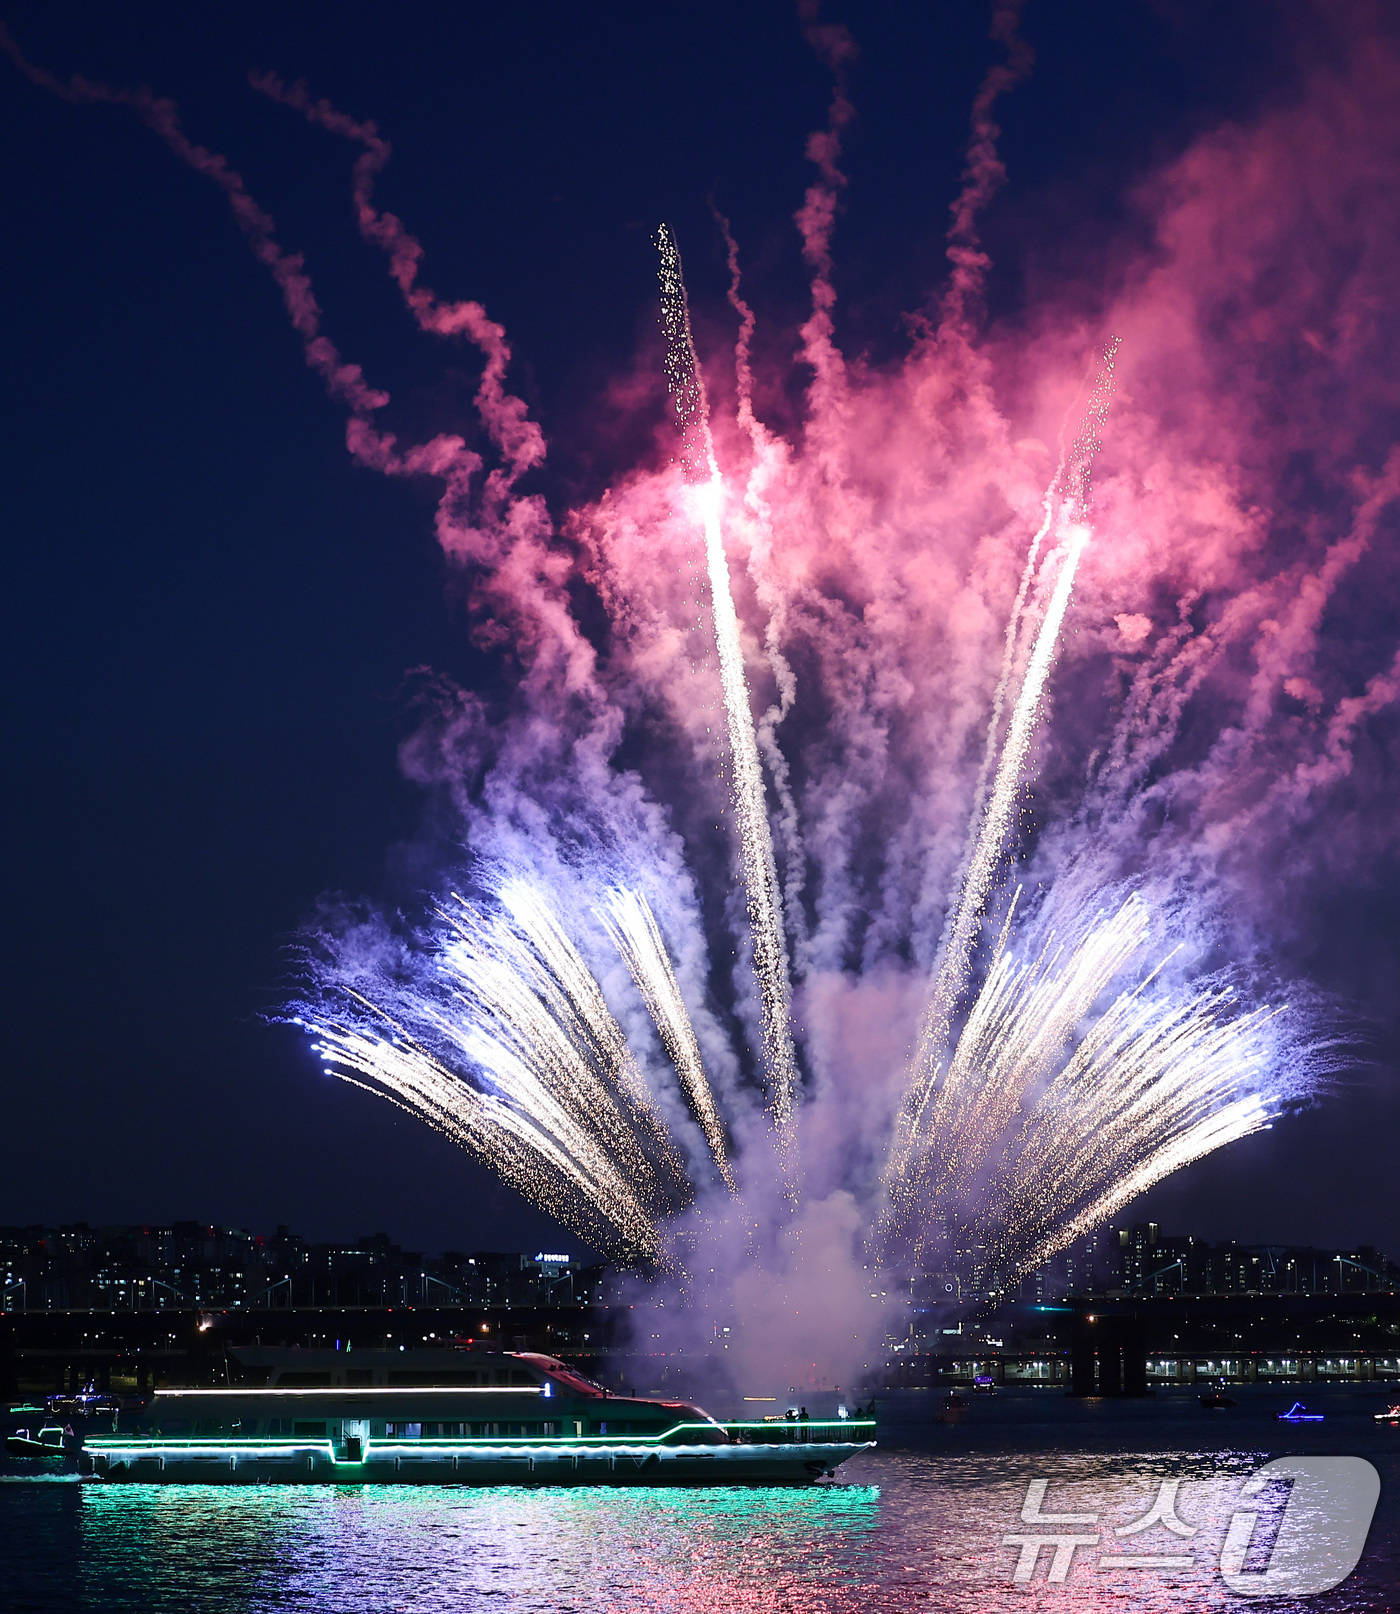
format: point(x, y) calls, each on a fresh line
point(450, 1417)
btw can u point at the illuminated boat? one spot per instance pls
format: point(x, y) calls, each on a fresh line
point(1391, 1415)
point(470, 1417)
point(1298, 1413)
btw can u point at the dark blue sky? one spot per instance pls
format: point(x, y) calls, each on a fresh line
point(211, 613)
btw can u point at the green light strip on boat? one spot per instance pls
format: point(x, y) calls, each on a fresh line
point(448, 1445)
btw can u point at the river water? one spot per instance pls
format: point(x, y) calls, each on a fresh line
point(919, 1524)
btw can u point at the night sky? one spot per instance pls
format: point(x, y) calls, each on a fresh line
point(216, 623)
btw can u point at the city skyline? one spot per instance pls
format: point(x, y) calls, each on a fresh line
point(193, 1265)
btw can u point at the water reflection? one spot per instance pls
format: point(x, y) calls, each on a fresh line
point(915, 1529)
point(379, 1548)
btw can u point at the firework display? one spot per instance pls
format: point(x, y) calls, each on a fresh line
point(871, 837)
point(1044, 1094)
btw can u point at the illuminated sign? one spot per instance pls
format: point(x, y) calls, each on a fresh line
point(553, 1260)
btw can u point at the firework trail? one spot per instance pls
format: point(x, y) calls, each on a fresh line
point(633, 928)
point(514, 1126)
point(1053, 1134)
point(766, 451)
point(943, 1108)
point(760, 873)
point(558, 1104)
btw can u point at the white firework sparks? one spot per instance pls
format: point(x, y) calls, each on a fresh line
point(516, 1127)
point(559, 1105)
point(633, 928)
point(760, 871)
point(935, 1091)
point(1051, 1131)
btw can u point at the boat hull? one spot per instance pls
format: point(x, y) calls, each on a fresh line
point(751, 1464)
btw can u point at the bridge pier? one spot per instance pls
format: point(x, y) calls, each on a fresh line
point(1108, 1356)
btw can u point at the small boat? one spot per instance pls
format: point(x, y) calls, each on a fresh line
point(85, 1405)
point(952, 1408)
point(440, 1417)
point(1391, 1415)
point(1298, 1413)
point(51, 1440)
point(1218, 1398)
point(984, 1384)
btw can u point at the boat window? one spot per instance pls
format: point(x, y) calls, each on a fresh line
point(358, 1376)
point(403, 1431)
point(305, 1381)
point(311, 1431)
point(407, 1379)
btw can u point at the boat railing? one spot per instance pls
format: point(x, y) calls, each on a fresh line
point(800, 1431)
